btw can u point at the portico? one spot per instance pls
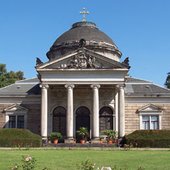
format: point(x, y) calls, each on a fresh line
point(94, 105)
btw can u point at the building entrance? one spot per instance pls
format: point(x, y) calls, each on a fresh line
point(59, 120)
point(83, 118)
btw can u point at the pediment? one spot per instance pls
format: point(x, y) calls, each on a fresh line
point(83, 59)
point(150, 108)
point(16, 108)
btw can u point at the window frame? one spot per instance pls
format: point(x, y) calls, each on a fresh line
point(150, 114)
point(150, 122)
point(150, 110)
point(15, 110)
point(16, 123)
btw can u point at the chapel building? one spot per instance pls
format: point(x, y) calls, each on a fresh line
point(84, 83)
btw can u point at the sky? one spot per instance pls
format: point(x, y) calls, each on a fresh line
point(140, 29)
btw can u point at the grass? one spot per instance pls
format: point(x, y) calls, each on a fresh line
point(70, 159)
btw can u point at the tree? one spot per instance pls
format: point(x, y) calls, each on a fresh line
point(2, 69)
point(167, 82)
point(7, 78)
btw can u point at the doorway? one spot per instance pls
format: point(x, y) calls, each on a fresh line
point(59, 120)
point(83, 118)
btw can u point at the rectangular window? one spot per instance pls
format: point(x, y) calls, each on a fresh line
point(16, 121)
point(154, 122)
point(20, 122)
point(145, 122)
point(150, 122)
point(12, 121)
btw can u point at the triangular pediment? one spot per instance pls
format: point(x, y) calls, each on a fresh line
point(16, 108)
point(83, 59)
point(150, 108)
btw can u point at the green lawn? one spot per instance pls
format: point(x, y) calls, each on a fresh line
point(70, 159)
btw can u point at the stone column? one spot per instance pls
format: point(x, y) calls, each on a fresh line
point(121, 111)
point(69, 117)
point(116, 108)
point(95, 130)
point(44, 110)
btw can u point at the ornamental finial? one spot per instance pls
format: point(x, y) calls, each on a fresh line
point(84, 13)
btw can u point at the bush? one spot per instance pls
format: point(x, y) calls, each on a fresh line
point(83, 133)
point(19, 138)
point(149, 138)
point(111, 134)
point(55, 135)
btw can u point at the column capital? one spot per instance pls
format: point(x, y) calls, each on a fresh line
point(68, 86)
point(44, 86)
point(94, 86)
point(120, 86)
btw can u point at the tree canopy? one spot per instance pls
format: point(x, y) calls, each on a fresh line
point(167, 82)
point(7, 78)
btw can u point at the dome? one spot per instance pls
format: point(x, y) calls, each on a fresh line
point(88, 32)
point(83, 30)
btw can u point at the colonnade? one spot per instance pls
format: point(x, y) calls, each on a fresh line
point(119, 111)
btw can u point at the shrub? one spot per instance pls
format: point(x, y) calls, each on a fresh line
point(19, 138)
point(87, 165)
point(83, 133)
point(149, 138)
point(27, 163)
point(111, 134)
point(55, 135)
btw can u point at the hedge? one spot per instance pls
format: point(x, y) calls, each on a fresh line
point(19, 138)
point(149, 138)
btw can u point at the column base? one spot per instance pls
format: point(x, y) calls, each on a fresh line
point(95, 140)
point(69, 141)
point(44, 141)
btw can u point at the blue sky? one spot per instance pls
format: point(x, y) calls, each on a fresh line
point(140, 29)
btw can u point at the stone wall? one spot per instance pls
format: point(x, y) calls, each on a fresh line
point(166, 116)
point(131, 118)
point(83, 96)
point(2, 114)
point(132, 121)
point(33, 117)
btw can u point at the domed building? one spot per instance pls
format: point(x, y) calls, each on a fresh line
point(84, 83)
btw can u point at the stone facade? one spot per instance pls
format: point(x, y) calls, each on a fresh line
point(2, 114)
point(82, 97)
point(33, 116)
point(132, 117)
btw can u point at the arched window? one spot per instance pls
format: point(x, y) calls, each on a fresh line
point(83, 118)
point(106, 118)
point(59, 120)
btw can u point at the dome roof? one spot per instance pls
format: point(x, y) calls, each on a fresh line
point(86, 33)
point(83, 30)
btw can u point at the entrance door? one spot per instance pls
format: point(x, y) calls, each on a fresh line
point(83, 118)
point(59, 120)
